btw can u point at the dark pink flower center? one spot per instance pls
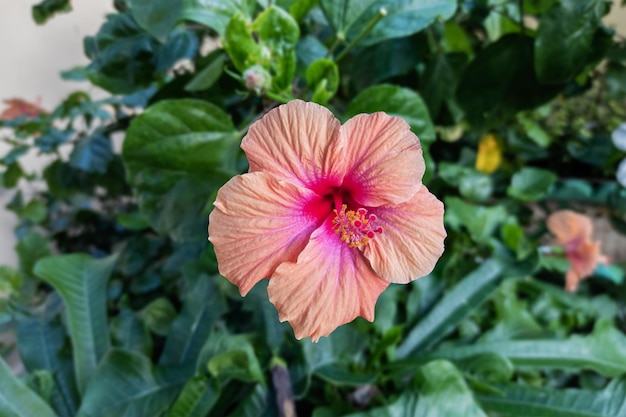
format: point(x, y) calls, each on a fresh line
point(354, 225)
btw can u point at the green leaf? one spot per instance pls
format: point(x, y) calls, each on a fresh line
point(549, 402)
point(125, 58)
point(40, 343)
point(203, 305)
point(127, 385)
point(564, 41)
point(177, 153)
point(457, 304)
point(402, 18)
point(159, 315)
point(480, 221)
point(385, 60)
point(10, 279)
point(17, 400)
point(92, 154)
point(272, 47)
point(440, 80)
point(279, 32)
point(442, 392)
point(204, 79)
point(322, 77)
point(231, 357)
point(535, 132)
point(395, 101)
point(196, 399)
point(604, 351)
point(490, 367)
point(341, 375)
point(501, 81)
point(35, 211)
point(12, 175)
point(81, 282)
point(530, 184)
point(129, 332)
point(159, 16)
point(30, 248)
point(46, 9)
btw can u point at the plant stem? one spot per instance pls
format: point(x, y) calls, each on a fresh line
point(382, 12)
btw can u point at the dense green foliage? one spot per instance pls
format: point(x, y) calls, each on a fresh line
point(117, 303)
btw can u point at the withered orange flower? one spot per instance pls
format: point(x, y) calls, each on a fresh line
point(17, 107)
point(330, 214)
point(573, 231)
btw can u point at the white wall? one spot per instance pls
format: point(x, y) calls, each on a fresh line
point(32, 57)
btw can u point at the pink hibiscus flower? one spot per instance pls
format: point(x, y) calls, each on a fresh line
point(573, 231)
point(330, 214)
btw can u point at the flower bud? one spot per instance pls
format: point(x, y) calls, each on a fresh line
point(257, 79)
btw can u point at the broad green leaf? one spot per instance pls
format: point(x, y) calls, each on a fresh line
point(46, 9)
point(159, 16)
point(10, 279)
point(501, 81)
point(564, 42)
point(205, 78)
point(604, 351)
point(342, 348)
point(513, 319)
point(385, 60)
point(231, 357)
point(549, 402)
point(440, 80)
point(177, 153)
point(401, 18)
point(127, 385)
point(491, 367)
point(129, 332)
point(322, 77)
point(530, 184)
point(465, 297)
point(480, 221)
point(238, 42)
point(92, 154)
point(196, 399)
point(534, 131)
point(17, 400)
point(12, 175)
point(395, 101)
point(40, 342)
point(341, 375)
point(159, 315)
point(125, 58)
point(81, 282)
point(203, 305)
point(35, 211)
point(442, 392)
point(30, 249)
point(255, 404)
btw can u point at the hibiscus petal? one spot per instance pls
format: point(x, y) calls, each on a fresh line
point(330, 285)
point(412, 238)
point(291, 141)
point(569, 227)
point(382, 158)
point(258, 223)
